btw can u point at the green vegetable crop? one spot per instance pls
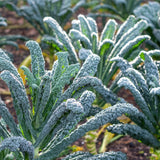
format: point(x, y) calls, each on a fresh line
point(47, 125)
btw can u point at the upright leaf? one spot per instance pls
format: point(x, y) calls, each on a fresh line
point(38, 63)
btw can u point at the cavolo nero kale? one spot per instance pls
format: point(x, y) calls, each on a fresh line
point(144, 84)
point(47, 124)
point(85, 40)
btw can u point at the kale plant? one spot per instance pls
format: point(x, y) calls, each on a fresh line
point(84, 39)
point(117, 9)
point(151, 13)
point(36, 10)
point(145, 87)
point(59, 101)
point(3, 2)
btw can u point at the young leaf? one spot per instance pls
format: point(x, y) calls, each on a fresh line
point(152, 74)
point(38, 63)
point(77, 35)
point(129, 35)
point(63, 37)
point(129, 23)
point(109, 30)
point(92, 24)
point(85, 27)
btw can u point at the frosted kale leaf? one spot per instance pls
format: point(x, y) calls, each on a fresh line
point(37, 59)
point(59, 101)
point(151, 13)
point(122, 42)
point(135, 132)
point(18, 143)
point(87, 156)
point(63, 38)
point(145, 88)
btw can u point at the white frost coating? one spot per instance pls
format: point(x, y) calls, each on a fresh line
point(3, 55)
point(132, 43)
point(6, 64)
point(74, 106)
point(103, 45)
point(109, 30)
point(85, 27)
point(77, 35)
point(75, 24)
point(151, 71)
point(38, 63)
point(93, 25)
point(129, 35)
point(154, 52)
point(155, 91)
point(84, 53)
point(86, 100)
point(129, 23)
point(89, 67)
point(87, 156)
point(18, 143)
point(63, 37)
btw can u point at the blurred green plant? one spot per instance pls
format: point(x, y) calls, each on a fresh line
point(3, 2)
point(3, 21)
point(151, 13)
point(9, 39)
point(36, 10)
point(117, 9)
point(155, 154)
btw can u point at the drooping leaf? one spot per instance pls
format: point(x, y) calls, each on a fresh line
point(7, 117)
point(135, 132)
point(89, 67)
point(18, 143)
point(20, 101)
point(125, 82)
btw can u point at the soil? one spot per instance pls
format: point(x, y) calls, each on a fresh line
point(17, 25)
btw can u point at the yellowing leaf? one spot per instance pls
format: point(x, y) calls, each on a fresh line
point(76, 148)
point(26, 62)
